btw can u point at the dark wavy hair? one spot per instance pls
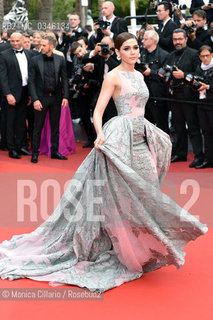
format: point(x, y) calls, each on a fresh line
point(122, 37)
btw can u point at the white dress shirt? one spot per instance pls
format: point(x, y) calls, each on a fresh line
point(23, 65)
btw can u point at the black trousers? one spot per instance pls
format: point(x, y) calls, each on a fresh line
point(185, 113)
point(85, 114)
point(205, 115)
point(53, 104)
point(157, 112)
point(16, 122)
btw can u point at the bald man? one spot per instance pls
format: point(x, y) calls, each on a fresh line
point(14, 83)
point(117, 25)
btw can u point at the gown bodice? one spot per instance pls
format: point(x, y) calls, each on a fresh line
point(133, 95)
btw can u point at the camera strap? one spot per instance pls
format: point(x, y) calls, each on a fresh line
point(178, 60)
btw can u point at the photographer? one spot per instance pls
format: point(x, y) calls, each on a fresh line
point(166, 26)
point(151, 59)
point(184, 60)
point(110, 25)
point(196, 31)
point(83, 85)
point(104, 59)
point(201, 5)
point(205, 112)
point(72, 32)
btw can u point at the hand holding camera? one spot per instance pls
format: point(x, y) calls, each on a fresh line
point(103, 25)
point(104, 50)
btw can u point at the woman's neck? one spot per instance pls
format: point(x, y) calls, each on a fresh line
point(126, 67)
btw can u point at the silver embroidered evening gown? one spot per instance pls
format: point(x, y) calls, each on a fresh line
point(113, 223)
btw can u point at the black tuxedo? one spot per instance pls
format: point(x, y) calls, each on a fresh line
point(165, 35)
point(11, 83)
point(11, 80)
point(49, 100)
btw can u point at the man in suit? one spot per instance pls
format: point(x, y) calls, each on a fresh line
point(183, 112)
point(116, 24)
point(166, 26)
point(14, 84)
point(48, 78)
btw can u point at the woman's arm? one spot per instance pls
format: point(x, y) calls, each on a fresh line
point(107, 90)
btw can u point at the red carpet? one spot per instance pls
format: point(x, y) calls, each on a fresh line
point(165, 294)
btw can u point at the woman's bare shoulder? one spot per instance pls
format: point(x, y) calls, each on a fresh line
point(112, 76)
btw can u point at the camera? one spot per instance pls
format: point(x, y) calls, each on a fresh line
point(142, 66)
point(105, 49)
point(166, 72)
point(103, 24)
point(78, 81)
point(194, 80)
point(190, 29)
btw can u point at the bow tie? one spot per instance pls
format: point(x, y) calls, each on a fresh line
point(19, 51)
point(46, 58)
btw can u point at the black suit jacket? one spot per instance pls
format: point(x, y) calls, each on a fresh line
point(10, 74)
point(118, 26)
point(36, 77)
point(165, 41)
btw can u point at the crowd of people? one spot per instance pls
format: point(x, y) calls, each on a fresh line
point(44, 73)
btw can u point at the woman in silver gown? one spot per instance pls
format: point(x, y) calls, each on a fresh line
point(113, 223)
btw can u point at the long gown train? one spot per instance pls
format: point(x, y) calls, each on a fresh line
point(113, 223)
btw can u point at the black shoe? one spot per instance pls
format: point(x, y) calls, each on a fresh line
point(34, 158)
point(178, 159)
point(13, 154)
point(204, 164)
point(25, 152)
point(89, 144)
point(57, 155)
point(196, 162)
